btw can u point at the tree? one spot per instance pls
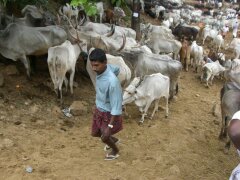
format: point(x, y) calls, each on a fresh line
point(136, 18)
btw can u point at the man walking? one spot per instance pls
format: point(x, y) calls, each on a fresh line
point(107, 118)
point(234, 134)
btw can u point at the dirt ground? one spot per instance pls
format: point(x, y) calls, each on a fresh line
point(33, 132)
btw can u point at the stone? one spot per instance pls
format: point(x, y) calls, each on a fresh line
point(216, 110)
point(7, 143)
point(78, 108)
point(33, 109)
point(121, 164)
point(11, 70)
point(1, 80)
point(197, 95)
point(174, 170)
point(27, 102)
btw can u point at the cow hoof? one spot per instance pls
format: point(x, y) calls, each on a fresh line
point(166, 116)
point(140, 122)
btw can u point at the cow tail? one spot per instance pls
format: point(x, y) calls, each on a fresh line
point(222, 93)
point(176, 88)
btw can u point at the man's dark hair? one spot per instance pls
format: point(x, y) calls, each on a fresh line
point(98, 55)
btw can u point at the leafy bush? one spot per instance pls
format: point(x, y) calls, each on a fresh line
point(90, 7)
point(118, 3)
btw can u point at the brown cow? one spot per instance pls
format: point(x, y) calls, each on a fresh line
point(185, 53)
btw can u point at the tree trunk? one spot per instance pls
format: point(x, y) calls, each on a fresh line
point(136, 18)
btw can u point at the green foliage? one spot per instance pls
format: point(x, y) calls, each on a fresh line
point(89, 7)
point(118, 3)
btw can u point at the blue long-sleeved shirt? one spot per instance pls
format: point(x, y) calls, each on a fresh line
point(109, 91)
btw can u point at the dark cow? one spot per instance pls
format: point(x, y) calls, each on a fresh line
point(189, 32)
point(17, 41)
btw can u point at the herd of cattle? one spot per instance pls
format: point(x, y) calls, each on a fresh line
point(155, 61)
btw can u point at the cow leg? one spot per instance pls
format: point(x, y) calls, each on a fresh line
point(144, 113)
point(221, 135)
point(156, 103)
point(186, 64)
point(26, 63)
point(211, 80)
point(166, 112)
point(202, 77)
point(71, 81)
point(60, 82)
point(66, 84)
point(100, 17)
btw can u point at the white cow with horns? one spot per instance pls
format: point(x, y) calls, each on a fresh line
point(62, 59)
point(144, 92)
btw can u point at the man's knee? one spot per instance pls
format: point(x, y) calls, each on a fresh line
point(96, 134)
point(105, 138)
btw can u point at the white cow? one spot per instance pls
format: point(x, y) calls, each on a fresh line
point(69, 11)
point(158, 9)
point(196, 55)
point(62, 59)
point(210, 70)
point(235, 45)
point(147, 64)
point(207, 32)
point(218, 41)
point(100, 11)
point(144, 92)
point(124, 74)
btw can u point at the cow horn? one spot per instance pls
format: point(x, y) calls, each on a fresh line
point(58, 19)
point(124, 42)
point(111, 31)
point(60, 11)
point(83, 20)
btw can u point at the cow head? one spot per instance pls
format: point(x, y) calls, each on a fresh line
point(129, 92)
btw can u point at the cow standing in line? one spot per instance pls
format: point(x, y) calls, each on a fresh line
point(184, 53)
point(144, 92)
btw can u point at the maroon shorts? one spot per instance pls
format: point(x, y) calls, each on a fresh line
point(101, 121)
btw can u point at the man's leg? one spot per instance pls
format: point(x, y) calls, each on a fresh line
point(109, 140)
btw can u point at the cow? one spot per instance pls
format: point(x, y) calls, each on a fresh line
point(100, 41)
point(210, 70)
point(196, 55)
point(235, 45)
point(144, 92)
point(189, 32)
point(100, 11)
point(147, 63)
point(218, 41)
point(158, 44)
point(230, 103)
point(184, 53)
point(62, 59)
point(17, 42)
point(33, 17)
point(207, 32)
point(124, 74)
point(118, 15)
